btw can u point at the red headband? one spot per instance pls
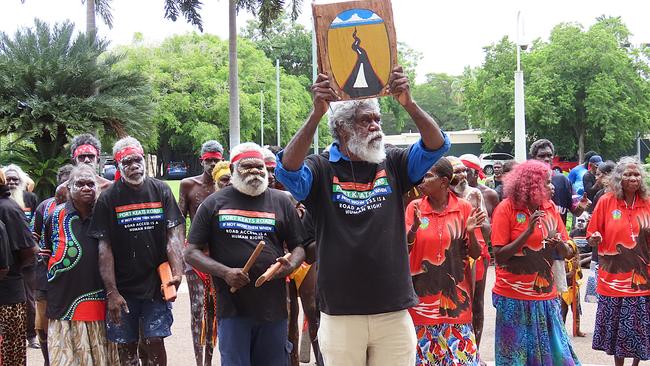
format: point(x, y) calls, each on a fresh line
point(129, 150)
point(247, 155)
point(471, 165)
point(211, 155)
point(85, 149)
point(270, 164)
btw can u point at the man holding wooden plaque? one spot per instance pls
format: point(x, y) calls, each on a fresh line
point(354, 194)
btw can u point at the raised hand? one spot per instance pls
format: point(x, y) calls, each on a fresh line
point(399, 86)
point(323, 94)
point(476, 219)
point(595, 239)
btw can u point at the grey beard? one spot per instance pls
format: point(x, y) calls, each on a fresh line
point(134, 182)
point(461, 188)
point(17, 196)
point(245, 185)
point(365, 150)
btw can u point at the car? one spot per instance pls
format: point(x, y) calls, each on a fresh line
point(488, 160)
point(562, 164)
point(176, 170)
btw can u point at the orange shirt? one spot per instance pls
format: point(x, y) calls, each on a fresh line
point(527, 275)
point(623, 259)
point(439, 263)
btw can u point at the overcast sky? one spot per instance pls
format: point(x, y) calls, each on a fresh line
point(450, 34)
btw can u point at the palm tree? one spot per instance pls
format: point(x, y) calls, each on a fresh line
point(101, 7)
point(266, 10)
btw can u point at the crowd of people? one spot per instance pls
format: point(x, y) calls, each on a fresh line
point(387, 249)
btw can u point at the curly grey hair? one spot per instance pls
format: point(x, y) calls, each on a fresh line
point(343, 113)
point(125, 142)
point(84, 139)
point(540, 144)
point(211, 146)
point(617, 177)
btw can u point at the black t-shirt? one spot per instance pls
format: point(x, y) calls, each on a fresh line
point(589, 182)
point(232, 224)
point(135, 221)
point(12, 290)
point(31, 203)
point(75, 288)
point(41, 214)
point(358, 214)
point(5, 252)
point(563, 194)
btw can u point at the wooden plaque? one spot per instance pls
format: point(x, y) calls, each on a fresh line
point(357, 47)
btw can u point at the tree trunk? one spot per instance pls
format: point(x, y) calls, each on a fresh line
point(90, 17)
point(233, 77)
point(581, 144)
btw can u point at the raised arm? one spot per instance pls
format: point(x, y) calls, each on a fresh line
point(431, 134)
point(294, 154)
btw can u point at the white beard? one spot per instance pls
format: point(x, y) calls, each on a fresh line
point(134, 182)
point(364, 149)
point(17, 196)
point(461, 188)
point(250, 186)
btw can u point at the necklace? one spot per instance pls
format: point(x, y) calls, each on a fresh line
point(629, 218)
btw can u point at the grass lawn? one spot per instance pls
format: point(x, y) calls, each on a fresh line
point(174, 185)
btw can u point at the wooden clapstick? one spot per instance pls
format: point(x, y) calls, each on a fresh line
point(251, 261)
point(270, 271)
point(165, 273)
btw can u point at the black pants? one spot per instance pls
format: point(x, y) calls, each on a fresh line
point(29, 281)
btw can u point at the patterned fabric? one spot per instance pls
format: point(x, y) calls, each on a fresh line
point(66, 249)
point(531, 332)
point(590, 293)
point(13, 327)
point(623, 326)
point(79, 343)
point(446, 345)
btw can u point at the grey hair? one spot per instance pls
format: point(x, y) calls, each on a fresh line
point(84, 139)
point(540, 144)
point(343, 114)
point(77, 170)
point(244, 147)
point(617, 177)
point(21, 174)
point(211, 146)
point(268, 155)
point(64, 170)
point(124, 143)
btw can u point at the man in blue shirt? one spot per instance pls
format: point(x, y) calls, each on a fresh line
point(354, 195)
point(576, 174)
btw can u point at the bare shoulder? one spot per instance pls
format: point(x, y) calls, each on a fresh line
point(191, 181)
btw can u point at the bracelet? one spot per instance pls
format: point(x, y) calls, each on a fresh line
point(108, 293)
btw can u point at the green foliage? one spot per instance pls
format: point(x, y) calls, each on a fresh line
point(286, 41)
point(54, 85)
point(394, 117)
point(189, 75)
point(442, 97)
point(584, 88)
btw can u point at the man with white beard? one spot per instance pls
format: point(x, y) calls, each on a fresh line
point(17, 183)
point(252, 321)
point(354, 195)
point(139, 226)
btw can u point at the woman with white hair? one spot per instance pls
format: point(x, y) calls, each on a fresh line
point(619, 228)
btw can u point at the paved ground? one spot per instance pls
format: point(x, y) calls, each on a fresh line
point(179, 346)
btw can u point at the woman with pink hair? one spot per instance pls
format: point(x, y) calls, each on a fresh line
point(527, 235)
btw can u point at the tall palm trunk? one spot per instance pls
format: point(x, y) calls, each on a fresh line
point(91, 28)
point(233, 78)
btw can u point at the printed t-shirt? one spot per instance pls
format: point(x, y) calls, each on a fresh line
point(75, 288)
point(42, 212)
point(563, 196)
point(356, 207)
point(135, 221)
point(12, 289)
point(232, 224)
point(527, 275)
point(439, 263)
point(623, 255)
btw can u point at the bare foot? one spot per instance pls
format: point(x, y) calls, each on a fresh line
point(581, 334)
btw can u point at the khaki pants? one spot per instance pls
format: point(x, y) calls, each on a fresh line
point(386, 339)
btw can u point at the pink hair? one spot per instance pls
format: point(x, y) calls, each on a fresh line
point(526, 183)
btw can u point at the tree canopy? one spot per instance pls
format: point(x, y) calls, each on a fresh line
point(54, 85)
point(189, 75)
point(583, 89)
